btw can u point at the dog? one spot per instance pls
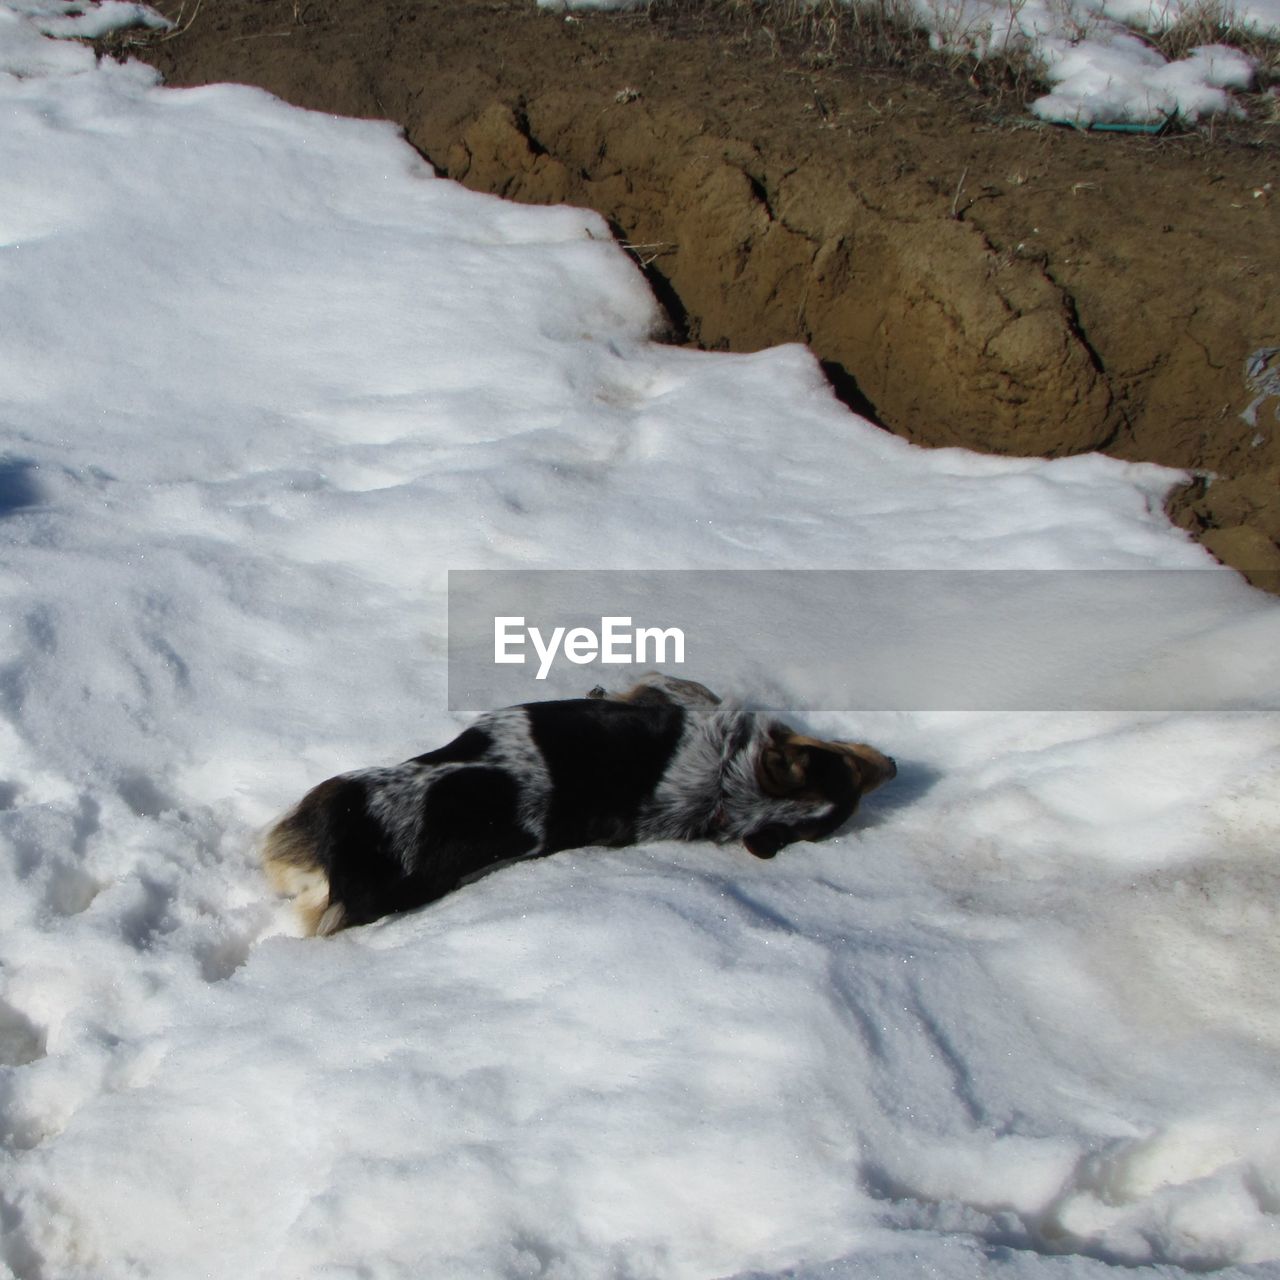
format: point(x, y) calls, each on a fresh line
point(666, 760)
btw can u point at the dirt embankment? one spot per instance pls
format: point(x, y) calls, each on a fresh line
point(967, 281)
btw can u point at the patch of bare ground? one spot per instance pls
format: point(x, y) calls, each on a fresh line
point(968, 276)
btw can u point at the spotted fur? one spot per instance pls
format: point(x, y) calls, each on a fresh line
point(667, 759)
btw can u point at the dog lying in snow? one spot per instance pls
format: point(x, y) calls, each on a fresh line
point(667, 760)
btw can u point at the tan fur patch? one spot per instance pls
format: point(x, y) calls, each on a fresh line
point(290, 865)
point(781, 768)
point(874, 766)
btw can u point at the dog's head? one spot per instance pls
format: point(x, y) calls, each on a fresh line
point(828, 778)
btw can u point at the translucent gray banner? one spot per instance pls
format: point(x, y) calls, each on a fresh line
point(873, 640)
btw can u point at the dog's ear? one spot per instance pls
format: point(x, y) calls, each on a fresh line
point(767, 840)
point(783, 766)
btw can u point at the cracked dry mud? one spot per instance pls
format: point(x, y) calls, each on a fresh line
point(966, 279)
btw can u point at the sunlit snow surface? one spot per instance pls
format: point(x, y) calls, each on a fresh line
point(263, 380)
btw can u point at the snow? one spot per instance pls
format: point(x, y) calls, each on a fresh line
point(24, 52)
point(264, 380)
point(1102, 69)
point(1092, 52)
point(1123, 79)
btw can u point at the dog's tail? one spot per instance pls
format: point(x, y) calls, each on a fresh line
point(297, 855)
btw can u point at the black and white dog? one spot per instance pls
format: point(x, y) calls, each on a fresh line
point(666, 760)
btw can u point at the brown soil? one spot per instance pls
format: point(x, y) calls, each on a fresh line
point(967, 279)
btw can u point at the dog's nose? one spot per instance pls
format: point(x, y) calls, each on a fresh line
point(892, 771)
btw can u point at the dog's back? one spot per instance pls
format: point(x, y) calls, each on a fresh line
point(521, 782)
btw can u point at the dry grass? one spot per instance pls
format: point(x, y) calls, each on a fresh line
point(125, 41)
point(1189, 26)
point(869, 34)
point(996, 60)
point(1211, 22)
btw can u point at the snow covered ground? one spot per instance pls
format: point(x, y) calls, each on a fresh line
point(263, 380)
point(1093, 52)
